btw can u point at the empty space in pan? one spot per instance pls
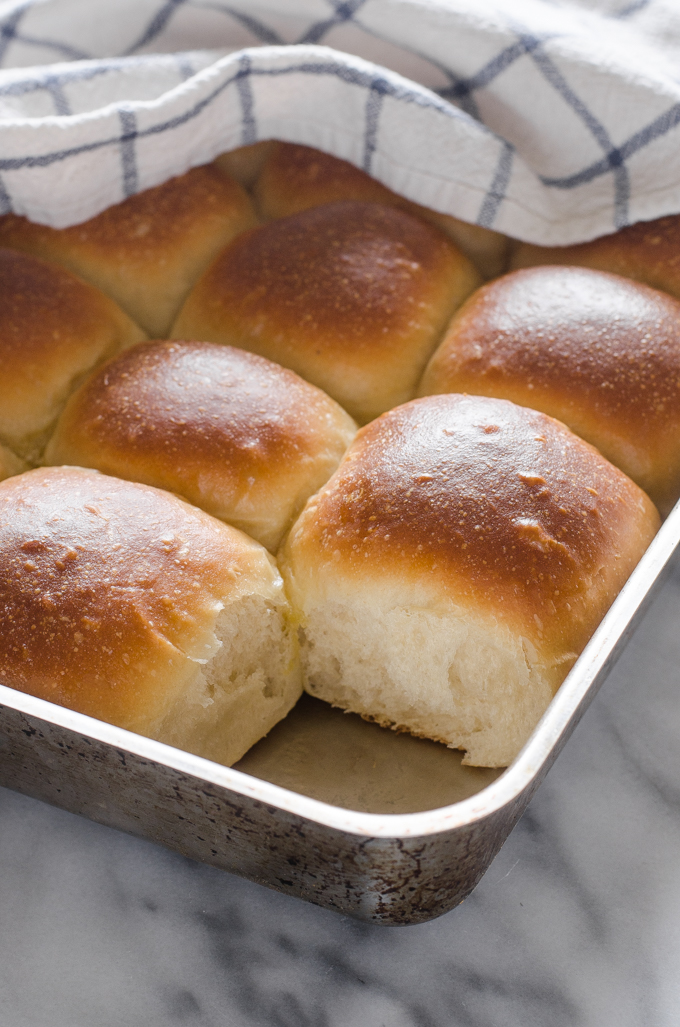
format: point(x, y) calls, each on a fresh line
point(341, 759)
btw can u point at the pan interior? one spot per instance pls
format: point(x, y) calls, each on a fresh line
point(341, 759)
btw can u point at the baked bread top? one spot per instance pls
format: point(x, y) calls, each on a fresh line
point(294, 178)
point(239, 436)
point(353, 296)
point(648, 252)
point(598, 351)
point(54, 328)
point(147, 251)
point(468, 501)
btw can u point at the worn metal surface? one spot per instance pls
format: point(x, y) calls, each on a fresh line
point(397, 868)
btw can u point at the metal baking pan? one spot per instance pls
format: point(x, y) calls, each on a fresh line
point(383, 827)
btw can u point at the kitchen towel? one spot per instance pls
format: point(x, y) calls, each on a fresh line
point(553, 121)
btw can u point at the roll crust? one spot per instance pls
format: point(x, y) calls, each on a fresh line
point(110, 593)
point(147, 251)
point(295, 178)
point(54, 328)
point(648, 252)
point(491, 516)
point(352, 296)
point(597, 351)
point(239, 436)
point(496, 503)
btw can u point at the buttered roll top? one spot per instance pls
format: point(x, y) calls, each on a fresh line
point(354, 297)
point(54, 328)
point(648, 252)
point(243, 438)
point(147, 251)
point(600, 352)
point(295, 178)
point(472, 502)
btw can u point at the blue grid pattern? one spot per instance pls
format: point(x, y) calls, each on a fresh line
point(458, 95)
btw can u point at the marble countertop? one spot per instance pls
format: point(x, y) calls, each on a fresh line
point(577, 922)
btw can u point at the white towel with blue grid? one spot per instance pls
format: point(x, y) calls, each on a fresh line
point(554, 121)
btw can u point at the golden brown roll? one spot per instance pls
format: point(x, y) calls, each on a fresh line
point(10, 463)
point(54, 328)
point(295, 178)
point(147, 251)
point(455, 565)
point(352, 296)
point(245, 162)
point(648, 252)
point(127, 604)
point(239, 436)
point(597, 351)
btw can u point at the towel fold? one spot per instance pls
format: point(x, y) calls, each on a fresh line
point(554, 121)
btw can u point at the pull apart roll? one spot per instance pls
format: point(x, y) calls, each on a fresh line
point(295, 178)
point(354, 297)
point(648, 252)
point(147, 251)
point(125, 603)
point(54, 329)
point(239, 436)
point(597, 351)
point(453, 568)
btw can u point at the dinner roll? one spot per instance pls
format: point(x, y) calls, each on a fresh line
point(127, 604)
point(53, 330)
point(600, 352)
point(147, 251)
point(352, 296)
point(239, 436)
point(455, 565)
point(10, 463)
point(648, 251)
point(295, 178)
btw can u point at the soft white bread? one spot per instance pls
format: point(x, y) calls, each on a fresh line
point(239, 436)
point(295, 178)
point(597, 351)
point(125, 603)
point(54, 328)
point(147, 251)
point(648, 252)
point(455, 565)
point(353, 296)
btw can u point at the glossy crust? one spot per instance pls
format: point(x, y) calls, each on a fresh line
point(147, 251)
point(110, 592)
point(597, 351)
point(476, 543)
point(648, 252)
point(239, 436)
point(54, 328)
point(295, 178)
point(485, 502)
point(352, 296)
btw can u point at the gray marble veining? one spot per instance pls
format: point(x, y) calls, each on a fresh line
point(577, 921)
